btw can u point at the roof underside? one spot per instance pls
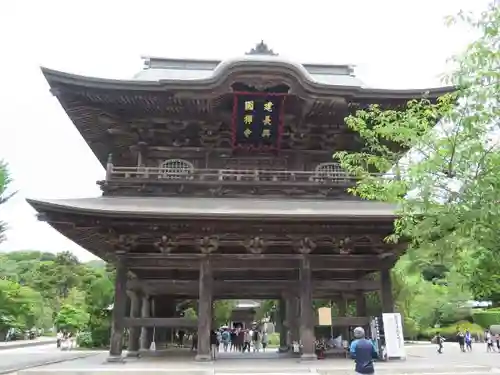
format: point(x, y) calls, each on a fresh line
point(218, 208)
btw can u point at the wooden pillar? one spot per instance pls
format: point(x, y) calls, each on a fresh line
point(307, 337)
point(134, 332)
point(342, 308)
point(361, 304)
point(119, 307)
point(294, 304)
point(386, 291)
point(204, 311)
point(284, 325)
point(145, 313)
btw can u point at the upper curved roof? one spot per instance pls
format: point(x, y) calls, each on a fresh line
point(158, 69)
point(164, 74)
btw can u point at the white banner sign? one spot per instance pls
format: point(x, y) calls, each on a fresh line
point(394, 338)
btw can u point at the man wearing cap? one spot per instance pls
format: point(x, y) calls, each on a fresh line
point(363, 352)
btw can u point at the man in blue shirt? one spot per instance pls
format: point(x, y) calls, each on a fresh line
point(363, 352)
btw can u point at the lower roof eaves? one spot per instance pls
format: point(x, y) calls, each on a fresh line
point(219, 208)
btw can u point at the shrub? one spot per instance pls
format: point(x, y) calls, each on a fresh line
point(486, 318)
point(410, 328)
point(84, 339)
point(273, 339)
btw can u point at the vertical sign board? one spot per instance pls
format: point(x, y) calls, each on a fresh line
point(257, 120)
point(324, 316)
point(375, 336)
point(393, 333)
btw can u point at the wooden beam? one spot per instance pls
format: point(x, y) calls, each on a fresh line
point(346, 321)
point(259, 262)
point(255, 285)
point(161, 322)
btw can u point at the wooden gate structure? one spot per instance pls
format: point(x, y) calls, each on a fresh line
point(220, 184)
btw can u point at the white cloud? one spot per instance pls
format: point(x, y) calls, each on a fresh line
point(395, 44)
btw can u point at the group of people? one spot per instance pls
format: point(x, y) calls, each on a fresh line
point(492, 341)
point(238, 339)
point(465, 340)
point(65, 340)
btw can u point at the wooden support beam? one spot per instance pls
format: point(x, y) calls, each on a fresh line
point(192, 286)
point(161, 322)
point(260, 262)
point(346, 321)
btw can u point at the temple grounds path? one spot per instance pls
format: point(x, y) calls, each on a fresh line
point(422, 359)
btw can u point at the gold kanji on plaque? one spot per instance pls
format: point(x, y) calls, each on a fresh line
point(267, 120)
point(247, 132)
point(248, 119)
point(266, 133)
point(249, 105)
point(268, 106)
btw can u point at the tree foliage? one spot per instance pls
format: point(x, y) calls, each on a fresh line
point(447, 186)
point(42, 289)
point(5, 181)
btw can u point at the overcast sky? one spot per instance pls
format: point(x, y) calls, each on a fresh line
point(394, 44)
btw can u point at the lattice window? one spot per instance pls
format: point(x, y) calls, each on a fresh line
point(330, 172)
point(176, 169)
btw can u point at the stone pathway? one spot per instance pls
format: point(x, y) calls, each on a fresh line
point(421, 360)
point(15, 359)
point(23, 343)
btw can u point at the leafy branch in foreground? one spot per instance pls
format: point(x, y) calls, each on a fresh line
point(447, 185)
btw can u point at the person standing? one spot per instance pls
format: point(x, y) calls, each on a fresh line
point(181, 334)
point(461, 341)
point(194, 342)
point(468, 340)
point(264, 341)
point(59, 338)
point(247, 339)
point(226, 339)
point(214, 343)
point(489, 341)
point(256, 340)
point(438, 339)
point(363, 352)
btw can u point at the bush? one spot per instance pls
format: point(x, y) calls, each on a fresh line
point(486, 318)
point(450, 332)
point(84, 340)
point(410, 328)
point(273, 339)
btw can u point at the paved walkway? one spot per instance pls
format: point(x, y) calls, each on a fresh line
point(15, 359)
point(421, 360)
point(23, 343)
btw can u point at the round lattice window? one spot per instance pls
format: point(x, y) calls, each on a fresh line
point(330, 171)
point(176, 169)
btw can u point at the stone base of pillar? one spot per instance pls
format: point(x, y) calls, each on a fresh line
point(132, 354)
point(203, 358)
point(115, 359)
point(283, 349)
point(308, 357)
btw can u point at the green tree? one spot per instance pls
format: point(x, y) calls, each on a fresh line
point(20, 306)
point(222, 311)
point(71, 318)
point(447, 186)
point(5, 181)
point(267, 308)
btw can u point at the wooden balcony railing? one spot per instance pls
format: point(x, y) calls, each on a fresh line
point(262, 177)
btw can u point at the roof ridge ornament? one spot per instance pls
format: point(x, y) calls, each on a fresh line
point(261, 49)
